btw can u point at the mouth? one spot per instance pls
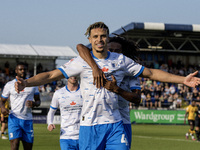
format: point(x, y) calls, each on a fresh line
point(100, 45)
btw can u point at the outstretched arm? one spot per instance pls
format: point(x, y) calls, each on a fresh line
point(98, 74)
point(162, 76)
point(39, 79)
point(134, 96)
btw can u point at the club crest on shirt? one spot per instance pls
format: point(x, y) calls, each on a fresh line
point(113, 65)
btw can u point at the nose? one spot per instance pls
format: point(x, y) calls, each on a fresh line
point(99, 38)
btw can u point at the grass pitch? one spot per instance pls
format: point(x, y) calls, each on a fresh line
point(144, 137)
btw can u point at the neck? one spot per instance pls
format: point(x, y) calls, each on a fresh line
point(100, 54)
point(72, 87)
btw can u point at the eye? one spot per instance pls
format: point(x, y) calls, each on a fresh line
point(95, 36)
point(103, 36)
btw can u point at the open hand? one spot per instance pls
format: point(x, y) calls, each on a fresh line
point(191, 80)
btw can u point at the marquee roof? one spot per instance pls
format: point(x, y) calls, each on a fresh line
point(36, 51)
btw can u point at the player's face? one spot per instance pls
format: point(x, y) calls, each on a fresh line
point(115, 47)
point(98, 39)
point(21, 71)
point(193, 103)
point(73, 80)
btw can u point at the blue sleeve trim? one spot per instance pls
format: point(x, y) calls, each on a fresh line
point(37, 93)
point(53, 108)
point(64, 73)
point(4, 97)
point(134, 88)
point(141, 70)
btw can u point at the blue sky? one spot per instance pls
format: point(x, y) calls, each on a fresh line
point(64, 22)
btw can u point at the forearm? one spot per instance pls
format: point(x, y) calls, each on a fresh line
point(44, 78)
point(50, 116)
point(84, 53)
point(162, 76)
point(134, 97)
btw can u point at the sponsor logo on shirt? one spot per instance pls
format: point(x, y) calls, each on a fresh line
point(104, 69)
point(73, 103)
point(64, 66)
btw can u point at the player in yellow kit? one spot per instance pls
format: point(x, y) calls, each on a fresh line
point(190, 115)
point(4, 122)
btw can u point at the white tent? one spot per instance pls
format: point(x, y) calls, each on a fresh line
point(7, 50)
point(35, 53)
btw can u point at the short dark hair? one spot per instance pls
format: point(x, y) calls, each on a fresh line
point(20, 63)
point(96, 25)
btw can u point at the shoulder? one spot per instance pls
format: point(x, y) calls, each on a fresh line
point(73, 61)
point(10, 82)
point(61, 90)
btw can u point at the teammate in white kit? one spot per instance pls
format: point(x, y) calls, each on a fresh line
point(130, 84)
point(70, 101)
point(20, 124)
point(101, 126)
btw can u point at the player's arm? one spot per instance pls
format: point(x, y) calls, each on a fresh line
point(4, 110)
point(50, 117)
point(39, 79)
point(98, 74)
point(162, 76)
point(134, 96)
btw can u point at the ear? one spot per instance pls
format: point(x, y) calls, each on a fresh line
point(90, 40)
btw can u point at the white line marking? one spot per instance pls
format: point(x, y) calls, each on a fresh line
point(149, 137)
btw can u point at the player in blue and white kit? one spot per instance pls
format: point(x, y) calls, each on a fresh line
point(70, 101)
point(20, 124)
point(101, 126)
point(130, 85)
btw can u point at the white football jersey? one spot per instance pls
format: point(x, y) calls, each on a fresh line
point(18, 100)
point(100, 106)
point(70, 103)
point(129, 83)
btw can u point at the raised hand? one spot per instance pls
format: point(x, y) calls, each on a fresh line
point(20, 84)
point(191, 80)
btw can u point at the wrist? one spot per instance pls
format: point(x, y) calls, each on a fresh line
point(25, 83)
point(94, 66)
point(117, 90)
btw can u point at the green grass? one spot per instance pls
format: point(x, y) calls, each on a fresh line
point(145, 137)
